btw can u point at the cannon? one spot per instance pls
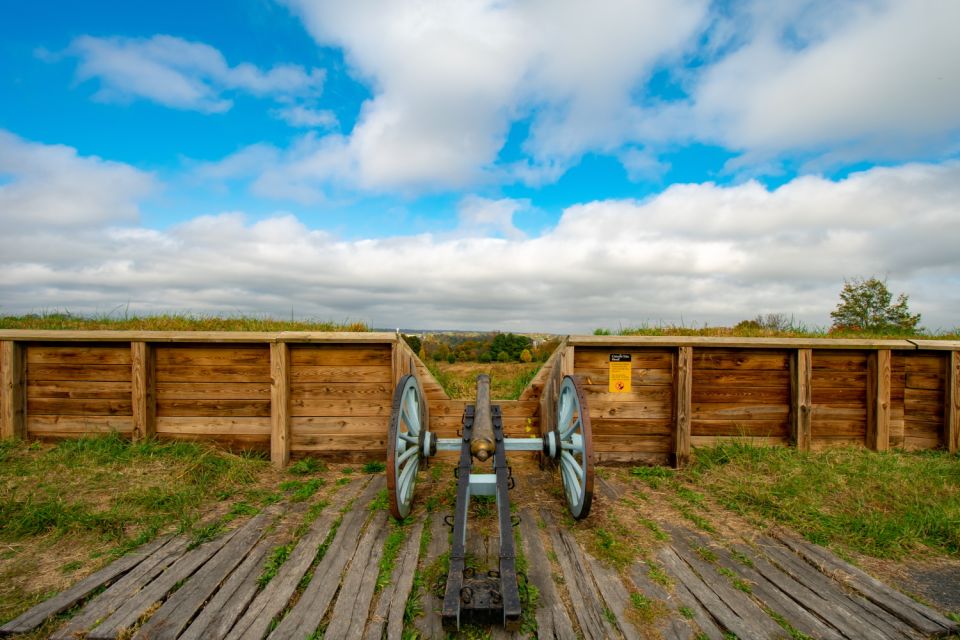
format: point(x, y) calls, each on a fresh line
point(493, 595)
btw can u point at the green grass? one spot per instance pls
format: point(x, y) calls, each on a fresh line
point(886, 505)
point(273, 564)
point(507, 379)
point(305, 466)
point(302, 490)
point(120, 320)
point(747, 330)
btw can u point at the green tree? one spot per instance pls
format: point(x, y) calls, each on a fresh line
point(526, 356)
point(414, 343)
point(867, 305)
point(503, 356)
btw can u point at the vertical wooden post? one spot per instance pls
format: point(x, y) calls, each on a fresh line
point(396, 360)
point(13, 404)
point(143, 391)
point(683, 406)
point(566, 362)
point(801, 398)
point(878, 400)
point(951, 418)
point(279, 404)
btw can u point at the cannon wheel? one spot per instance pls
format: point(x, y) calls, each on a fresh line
point(405, 440)
point(575, 455)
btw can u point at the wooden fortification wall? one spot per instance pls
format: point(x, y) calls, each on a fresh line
point(330, 393)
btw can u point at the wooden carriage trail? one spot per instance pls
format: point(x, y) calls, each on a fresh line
point(166, 589)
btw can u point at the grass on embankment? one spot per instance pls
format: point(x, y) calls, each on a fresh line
point(748, 330)
point(68, 508)
point(885, 505)
point(507, 379)
point(170, 322)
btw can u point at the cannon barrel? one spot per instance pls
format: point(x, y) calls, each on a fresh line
point(482, 445)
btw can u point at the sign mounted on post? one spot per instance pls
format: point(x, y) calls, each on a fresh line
point(620, 372)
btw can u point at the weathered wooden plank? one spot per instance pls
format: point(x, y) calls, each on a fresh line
point(213, 390)
point(279, 407)
point(920, 617)
point(224, 373)
point(346, 442)
point(551, 615)
point(315, 406)
point(829, 379)
point(801, 398)
point(762, 428)
point(82, 389)
point(274, 597)
point(601, 393)
point(672, 626)
point(611, 589)
point(924, 363)
point(429, 624)
point(204, 356)
point(878, 400)
point(391, 606)
point(367, 374)
point(741, 359)
point(179, 609)
point(98, 373)
point(951, 418)
point(751, 621)
point(659, 410)
point(214, 408)
point(757, 441)
point(579, 582)
point(509, 408)
point(222, 611)
point(71, 426)
point(638, 377)
point(337, 356)
point(100, 607)
point(615, 427)
point(779, 379)
point(648, 444)
point(840, 360)
point(312, 606)
point(213, 426)
point(79, 407)
point(143, 391)
point(746, 395)
point(728, 411)
point(132, 609)
point(341, 390)
point(12, 391)
point(305, 426)
point(36, 616)
point(77, 354)
point(836, 345)
point(349, 617)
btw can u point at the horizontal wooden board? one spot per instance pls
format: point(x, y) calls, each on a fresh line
point(214, 426)
point(509, 408)
point(101, 372)
point(628, 410)
point(727, 411)
point(601, 393)
point(839, 360)
point(729, 428)
point(512, 426)
point(352, 442)
point(337, 356)
point(326, 425)
point(838, 379)
point(838, 428)
point(357, 390)
point(225, 373)
point(213, 390)
point(214, 408)
point(825, 412)
point(638, 428)
point(741, 395)
point(755, 378)
point(79, 389)
point(638, 378)
point(933, 381)
point(79, 407)
point(617, 458)
point(926, 363)
point(650, 444)
point(338, 407)
point(740, 359)
point(78, 354)
point(705, 342)
point(757, 441)
point(640, 358)
point(78, 425)
point(822, 444)
point(341, 374)
point(839, 395)
point(207, 356)
point(913, 443)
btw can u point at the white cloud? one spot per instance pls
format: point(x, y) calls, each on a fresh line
point(301, 116)
point(51, 185)
point(703, 253)
point(181, 74)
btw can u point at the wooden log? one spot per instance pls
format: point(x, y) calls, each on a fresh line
point(36, 616)
point(143, 391)
point(951, 418)
point(12, 391)
point(682, 409)
point(878, 400)
point(279, 405)
point(801, 398)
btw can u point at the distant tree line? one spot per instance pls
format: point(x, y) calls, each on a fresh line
point(492, 347)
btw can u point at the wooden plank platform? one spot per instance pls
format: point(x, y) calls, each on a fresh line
point(765, 587)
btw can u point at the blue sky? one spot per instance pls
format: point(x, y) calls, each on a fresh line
point(580, 165)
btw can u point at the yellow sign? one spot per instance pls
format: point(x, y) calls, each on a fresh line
point(620, 373)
